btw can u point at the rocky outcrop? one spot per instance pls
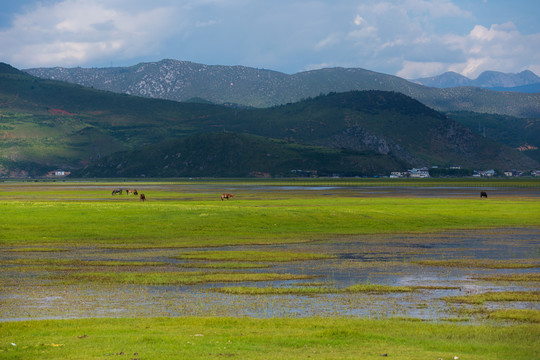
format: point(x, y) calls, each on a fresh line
point(359, 139)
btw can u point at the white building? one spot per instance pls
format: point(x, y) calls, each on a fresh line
point(419, 173)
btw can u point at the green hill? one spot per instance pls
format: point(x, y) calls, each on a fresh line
point(519, 133)
point(383, 122)
point(239, 155)
point(47, 124)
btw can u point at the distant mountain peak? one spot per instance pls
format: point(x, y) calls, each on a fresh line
point(487, 79)
point(495, 78)
point(447, 79)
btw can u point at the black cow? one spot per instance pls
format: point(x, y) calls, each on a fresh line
point(483, 194)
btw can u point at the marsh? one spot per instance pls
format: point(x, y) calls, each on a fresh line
point(62, 270)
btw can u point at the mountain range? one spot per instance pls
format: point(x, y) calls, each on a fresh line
point(48, 124)
point(251, 87)
point(525, 81)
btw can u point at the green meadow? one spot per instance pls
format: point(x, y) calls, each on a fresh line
point(219, 338)
point(275, 243)
point(76, 216)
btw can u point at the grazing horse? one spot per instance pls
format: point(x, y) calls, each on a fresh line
point(142, 197)
point(483, 194)
point(134, 192)
point(117, 191)
point(226, 196)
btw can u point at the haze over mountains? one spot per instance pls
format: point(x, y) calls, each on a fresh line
point(47, 124)
point(244, 86)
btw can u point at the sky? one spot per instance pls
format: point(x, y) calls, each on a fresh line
point(407, 38)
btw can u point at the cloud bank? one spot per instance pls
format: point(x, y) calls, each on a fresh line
point(409, 38)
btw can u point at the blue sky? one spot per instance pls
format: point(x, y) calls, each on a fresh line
point(408, 38)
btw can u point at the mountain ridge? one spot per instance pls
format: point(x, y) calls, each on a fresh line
point(181, 80)
point(487, 79)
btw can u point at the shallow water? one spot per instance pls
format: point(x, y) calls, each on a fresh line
point(31, 294)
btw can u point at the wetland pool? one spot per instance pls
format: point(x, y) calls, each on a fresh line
point(38, 290)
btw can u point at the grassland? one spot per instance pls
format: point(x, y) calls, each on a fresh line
point(76, 238)
point(73, 216)
point(216, 338)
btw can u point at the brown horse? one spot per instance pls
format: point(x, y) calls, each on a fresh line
point(226, 196)
point(142, 197)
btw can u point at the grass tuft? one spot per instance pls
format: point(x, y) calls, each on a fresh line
point(521, 315)
point(178, 278)
point(312, 290)
point(478, 299)
point(271, 256)
point(223, 265)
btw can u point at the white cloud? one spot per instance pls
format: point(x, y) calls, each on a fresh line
point(436, 9)
point(76, 32)
point(330, 40)
point(501, 47)
point(413, 38)
point(358, 20)
point(405, 33)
